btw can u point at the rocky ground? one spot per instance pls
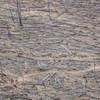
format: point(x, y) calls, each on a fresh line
point(51, 49)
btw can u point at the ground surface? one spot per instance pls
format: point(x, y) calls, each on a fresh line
point(54, 54)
